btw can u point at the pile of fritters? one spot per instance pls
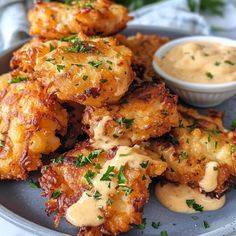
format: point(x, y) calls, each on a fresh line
point(84, 99)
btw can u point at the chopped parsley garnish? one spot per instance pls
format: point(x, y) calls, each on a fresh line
point(183, 155)
point(164, 233)
point(156, 225)
point(1, 143)
point(109, 62)
point(52, 47)
point(121, 176)
point(109, 202)
point(79, 47)
point(59, 160)
point(108, 174)
point(99, 217)
point(127, 190)
point(18, 79)
point(215, 144)
point(78, 65)
point(233, 124)
point(232, 149)
point(205, 224)
point(124, 154)
point(217, 63)
point(209, 138)
point(98, 166)
point(209, 75)
point(71, 38)
point(82, 160)
point(229, 62)
point(89, 176)
point(97, 195)
point(142, 226)
point(56, 194)
point(144, 164)
point(60, 67)
point(34, 183)
point(95, 64)
point(103, 81)
point(51, 60)
point(192, 204)
point(123, 121)
point(85, 77)
point(215, 131)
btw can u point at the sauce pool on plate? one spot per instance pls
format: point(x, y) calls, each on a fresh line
point(200, 62)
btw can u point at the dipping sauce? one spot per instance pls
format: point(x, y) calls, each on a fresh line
point(174, 197)
point(200, 62)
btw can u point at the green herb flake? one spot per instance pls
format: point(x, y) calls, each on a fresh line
point(34, 183)
point(85, 77)
point(229, 62)
point(79, 47)
point(156, 225)
point(123, 121)
point(71, 38)
point(215, 131)
point(164, 233)
point(82, 160)
point(191, 203)
point(18, 79)
point(1, 143)
point(192, 126)
point(108, 174)
point(217, 63)
point(232, 149)
point(52, 47)
point(121, 176)
point(127, 190)
point(56, 194)
point(124, 154)
point(103, 81)
point(209, 75)
point(144, 164)
point(59, 160)
point(109, 202)
point(97, 195)
point(60, 67)
point(89, 176)
point(95, 64)
point(209, 138)
point(183, 155)
point(215, 144)
point(205, 224)
point(142, 226)
point(98, 166)
point(99, 217)
point(109, 62)
point(233, 123)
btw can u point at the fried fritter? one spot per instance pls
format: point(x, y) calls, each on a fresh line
point(188, 150)
point(147, 111)
point(93, 17)
point(89, 71)
point(29, 121)
point(116, 181)
point(143, 48)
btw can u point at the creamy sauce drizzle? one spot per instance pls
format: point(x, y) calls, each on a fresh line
point(87, 209)
point(209, 181)
point(174, 198)
point(200, 62)
point(101, 140)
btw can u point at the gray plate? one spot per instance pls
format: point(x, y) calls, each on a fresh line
point(23, 206)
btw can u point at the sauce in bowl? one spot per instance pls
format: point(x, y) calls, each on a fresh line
point(200, 62)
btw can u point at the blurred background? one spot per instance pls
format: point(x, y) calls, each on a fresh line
point(194, 16)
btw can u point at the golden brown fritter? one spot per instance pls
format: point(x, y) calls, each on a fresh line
point(29, 120)
point(197, 141)
point(89, 71)
point(77, 174)
point(143, 48)
point(93, 17)
point(148, 111)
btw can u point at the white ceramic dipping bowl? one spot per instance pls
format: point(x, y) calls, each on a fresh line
point(197, 94)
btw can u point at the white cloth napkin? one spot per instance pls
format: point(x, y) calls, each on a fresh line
point(171, 13)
